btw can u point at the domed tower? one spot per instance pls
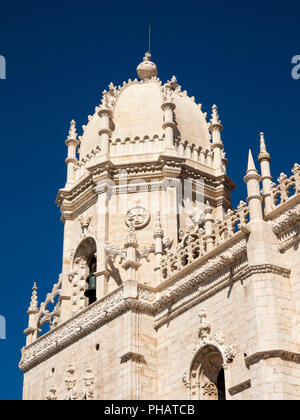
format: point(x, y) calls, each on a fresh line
point(148, 150)
point(147, 171)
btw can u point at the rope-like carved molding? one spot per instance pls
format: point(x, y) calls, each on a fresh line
point(240, 387)
point(271, 354)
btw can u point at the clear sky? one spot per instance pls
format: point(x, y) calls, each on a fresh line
point(60, 57)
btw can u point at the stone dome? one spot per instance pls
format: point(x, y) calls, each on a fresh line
point(136, 111)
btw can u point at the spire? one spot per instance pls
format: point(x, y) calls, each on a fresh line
point(34, 300)
point(252, 179)
point(251, 164)
point(72, 131)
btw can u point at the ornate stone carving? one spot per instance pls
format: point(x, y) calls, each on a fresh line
point(216, 338)
point(88, 389)
point(51, 395)
point(85, 222)
point(70, 382)
point(138, 217)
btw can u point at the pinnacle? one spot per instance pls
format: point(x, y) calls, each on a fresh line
point(251, 164)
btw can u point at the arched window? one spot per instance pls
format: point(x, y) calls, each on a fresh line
point(84, 265)
point(90, 292)
point(207, 379)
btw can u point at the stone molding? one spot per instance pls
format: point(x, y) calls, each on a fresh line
point(240, 387)
point(149, 301)
point(271, 354)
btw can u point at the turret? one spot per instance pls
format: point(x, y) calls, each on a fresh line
point(217, 145)
point(264, 160)
point(72, 143)
point(169, 124)
point(252, 179)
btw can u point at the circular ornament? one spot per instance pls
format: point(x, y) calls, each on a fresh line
point(137, 217)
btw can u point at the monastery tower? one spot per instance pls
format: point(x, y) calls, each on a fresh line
point(166, 291)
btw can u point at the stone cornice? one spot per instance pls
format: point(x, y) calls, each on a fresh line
point(240, 387)
point(151, 301)
point(147, 170)
point(270, 354)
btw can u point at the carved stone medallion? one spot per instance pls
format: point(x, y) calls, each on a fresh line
point(137, 217)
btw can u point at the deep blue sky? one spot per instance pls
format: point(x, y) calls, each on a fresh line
point(62, 55)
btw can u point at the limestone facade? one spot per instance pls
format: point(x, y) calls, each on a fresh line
point(194, 299)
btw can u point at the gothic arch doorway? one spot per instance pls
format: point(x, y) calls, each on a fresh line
point(207, 375)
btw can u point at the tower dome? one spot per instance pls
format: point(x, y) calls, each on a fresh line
point(136, 112)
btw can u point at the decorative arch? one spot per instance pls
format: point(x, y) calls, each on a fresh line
point(206, 378)
point(206, 369)
point(85, 253)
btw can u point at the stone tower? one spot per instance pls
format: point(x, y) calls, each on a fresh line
point(166, 292)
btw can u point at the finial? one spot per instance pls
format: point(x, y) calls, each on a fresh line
point(34, 300)
point(72, 131)
point(215, 116)
point(146, 70)
point(263, 148)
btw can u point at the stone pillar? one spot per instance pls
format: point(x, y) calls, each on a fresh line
point(131, 265)
point(170, 207)
point(169, 125)
point(267, 296)
point(66, 290)
point(158, 237)
point(264, 160)
point(208, 226)
point(105, 130)
point(71, 160)
point(103, 192)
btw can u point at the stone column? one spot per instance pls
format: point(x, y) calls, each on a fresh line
point(208, 226)
point(264, 160)
point(66, 290)
point(217, 145)
point(267, 296)
point(170, 208)
point(158, 237)
point(105, 130)
point(131, 265)
point(169, 125)
point(103, 192)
